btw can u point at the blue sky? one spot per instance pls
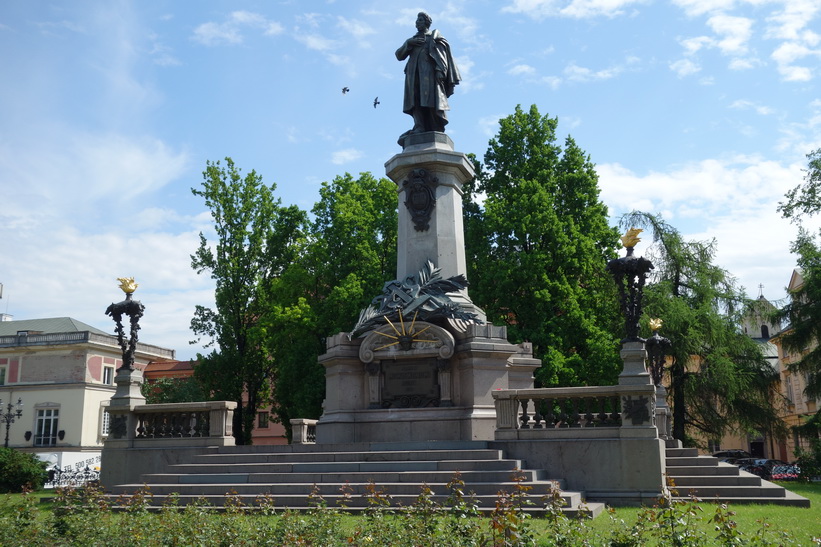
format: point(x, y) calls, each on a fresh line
point(701, 110)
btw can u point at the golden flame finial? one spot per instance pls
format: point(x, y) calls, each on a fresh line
point(630, 239)
point(655, 324)
point(127, 284)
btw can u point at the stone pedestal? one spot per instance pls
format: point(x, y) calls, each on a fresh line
point(429, 175)
point(635, 371)
point(128, 389)
point(361, 403)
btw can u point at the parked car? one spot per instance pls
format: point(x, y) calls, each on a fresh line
point(724, 455)
point(771, 470)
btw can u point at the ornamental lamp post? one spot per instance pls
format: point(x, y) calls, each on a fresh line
point(657, 350)
point(10, 414)
point(630, 273)
point(134, 310)
point(128, 378)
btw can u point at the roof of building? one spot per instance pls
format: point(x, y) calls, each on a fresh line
point(47, 326)
point(169, 364)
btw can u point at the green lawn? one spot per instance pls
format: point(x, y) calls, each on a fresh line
point(802, 523)
point(77, 520)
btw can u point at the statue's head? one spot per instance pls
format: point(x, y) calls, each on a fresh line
point(423, 21)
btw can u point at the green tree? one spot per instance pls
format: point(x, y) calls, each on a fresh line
point(257, 239)
point(803, 312)
point(719, 379)
point(350, 254)
point(19, 470)
point(803, 315)
point(805, 199)
point(537, 250)
point(353, 248)
point(173, 390)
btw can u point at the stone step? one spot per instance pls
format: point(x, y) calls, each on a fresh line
point(485, 504)
point(353, 467)
point(716, 480)
point(288, 474)
point(415, 446)
point(290, 491)
point(708, 479)
point(691, 460)
point(230, 458)
point(689, 470)
point(241, 476)
point(681, 452)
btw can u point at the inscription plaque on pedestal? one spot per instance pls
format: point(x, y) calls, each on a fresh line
point(410, 384)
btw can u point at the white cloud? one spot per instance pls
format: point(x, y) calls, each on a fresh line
point(701, 7)
point(85, 173)
point(576, 73)
point(521, 70)
point(735, 32)
point(489, 125)
point(230, 31)
point(347, 155)
point(710, 187)
point(693, 45)
point(730, 199)
point(744, 104)
point(684, 67)
point(356, 29)
point(789, 23)
point(788, 53)
point(84, 267)
point(577, 9)
point(316, 42)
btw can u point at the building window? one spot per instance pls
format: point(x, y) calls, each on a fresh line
point(108, 376)
point(262, 420)
point(46, 431)
point(788, 383)
point(765, 331)
point(2, 376)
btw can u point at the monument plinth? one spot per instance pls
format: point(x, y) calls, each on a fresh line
point(425, 362)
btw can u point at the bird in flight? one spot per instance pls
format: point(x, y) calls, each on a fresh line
point(345, 90)
point(376, 102)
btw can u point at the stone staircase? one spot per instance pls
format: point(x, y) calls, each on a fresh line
point(287, 475)
point(709, 479)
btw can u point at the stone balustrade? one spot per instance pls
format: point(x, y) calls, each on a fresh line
point(207, 422)
point(303, 431)
point(575, 412)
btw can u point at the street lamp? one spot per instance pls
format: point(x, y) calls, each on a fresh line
point(10, 414)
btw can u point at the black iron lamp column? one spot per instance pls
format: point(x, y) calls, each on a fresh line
point(657, 349)
point(134, 310)
point(630, 273)
point(10, 414)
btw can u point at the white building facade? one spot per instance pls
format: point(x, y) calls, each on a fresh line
point(63, 372)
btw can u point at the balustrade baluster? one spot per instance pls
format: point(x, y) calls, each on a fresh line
point(140, 426)
point(602, 417)
point(574, 417)
point(550, 418)
point(563, 416)
point(589, 403)
point(524, 417)
point(537, 413)
point(616, 414)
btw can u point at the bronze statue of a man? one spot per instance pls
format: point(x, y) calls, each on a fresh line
point(430, 76)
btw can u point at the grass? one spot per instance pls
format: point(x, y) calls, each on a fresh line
point(686, 523)
point(802, 523)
